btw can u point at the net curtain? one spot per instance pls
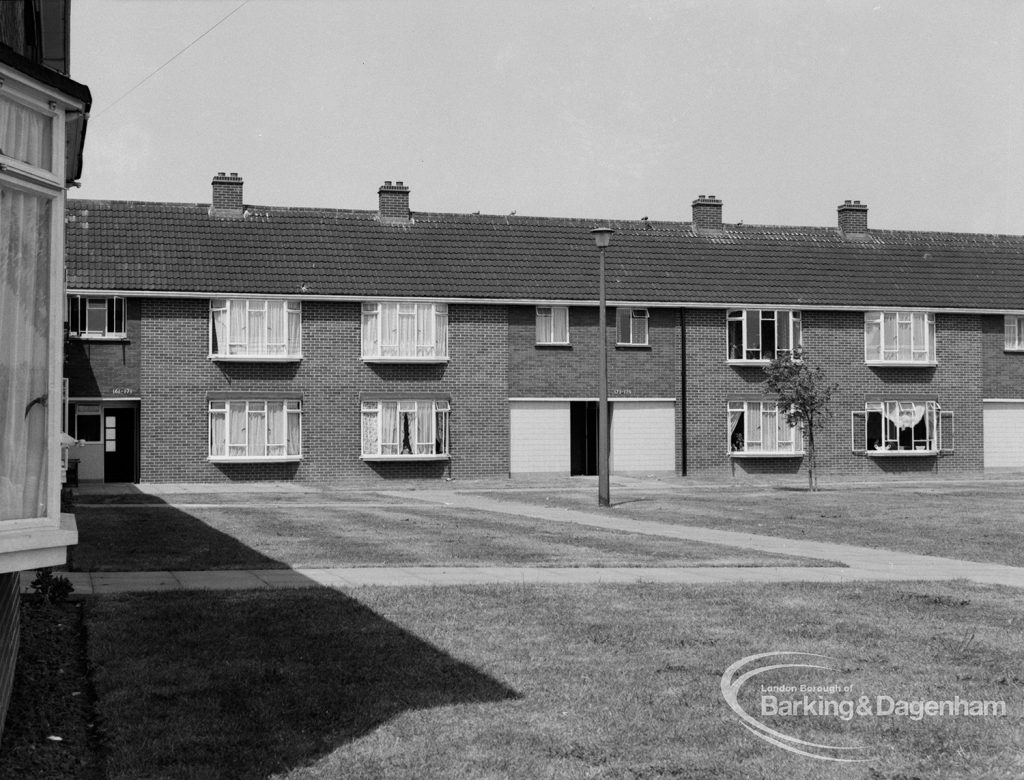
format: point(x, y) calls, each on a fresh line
point(24, 361)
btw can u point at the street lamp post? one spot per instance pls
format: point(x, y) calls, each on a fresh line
point(602, 237)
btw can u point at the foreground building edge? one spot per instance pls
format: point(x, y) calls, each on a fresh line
point(42, 154)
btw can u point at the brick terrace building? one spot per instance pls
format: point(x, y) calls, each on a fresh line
point(229, 341)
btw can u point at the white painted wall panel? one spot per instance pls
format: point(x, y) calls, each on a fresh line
point(1004, 434)
point(539, 436)
point(643, 436)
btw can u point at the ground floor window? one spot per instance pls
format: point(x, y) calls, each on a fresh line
point(759, 427)
point(84, 422)
point(896, 427)
point(247, 430)
point(404, 428)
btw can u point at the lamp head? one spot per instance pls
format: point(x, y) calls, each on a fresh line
point(602, 236)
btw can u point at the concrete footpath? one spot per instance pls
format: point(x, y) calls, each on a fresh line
point(861, 563)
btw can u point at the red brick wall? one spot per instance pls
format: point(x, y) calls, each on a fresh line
point(176, 376)
point(96, 368)
point(10, 634)
point(1003, 371)
point(572, 371)
point(835, 340)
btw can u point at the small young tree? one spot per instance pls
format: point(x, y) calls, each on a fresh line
point(804, 392)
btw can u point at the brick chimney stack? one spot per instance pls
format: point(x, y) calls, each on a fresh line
point(853, 218)
point(227, 196)
point(394, 202)
point(707, 213)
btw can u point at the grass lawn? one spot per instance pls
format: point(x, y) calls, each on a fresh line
point(307, 533)
point(981, 521)
point(535, 681)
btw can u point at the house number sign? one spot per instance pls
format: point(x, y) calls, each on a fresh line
point(124, 391)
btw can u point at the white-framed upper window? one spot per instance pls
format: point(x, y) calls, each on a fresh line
point(405, 429)
point(552, 324)
point(760, 428)
point(255, 430)
point(27, 134)
point(900, 427)
point(900, 337)
point(1013, 331)
point(760, 335)
point(255, 329)
point(631, 327)
point(96, 318)
point(398, 331)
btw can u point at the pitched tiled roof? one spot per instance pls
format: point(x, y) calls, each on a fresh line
point(180, 248)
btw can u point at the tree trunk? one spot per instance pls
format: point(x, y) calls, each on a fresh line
point(812, 477)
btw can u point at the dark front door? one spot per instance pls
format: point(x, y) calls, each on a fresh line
point(119, 444)
point(583, 438)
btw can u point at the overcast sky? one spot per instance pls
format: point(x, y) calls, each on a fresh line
point(602, 109)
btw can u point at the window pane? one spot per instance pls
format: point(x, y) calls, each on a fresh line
point(783, 331)
point(441, 330)
point(735, 336)
point(388, 428)
point(639, 326)
point(424, 428)
point(623, 327)
point(238, 327)
point(294, 329)
point(371, 442)
point(753, 432)
point(257, 341)
point(753, 318)
point(371, 346)
point(294, 440)
point(873, 338)
point(218, 434)
point(544, 329)
point(96, 315)
point(560, 324)
point(767, 335)
point(277, 328)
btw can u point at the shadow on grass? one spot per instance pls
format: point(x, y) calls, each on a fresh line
point(246, 684)
point(136, 531)
point(240, 684)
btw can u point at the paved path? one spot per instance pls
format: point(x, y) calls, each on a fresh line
point(862, 563)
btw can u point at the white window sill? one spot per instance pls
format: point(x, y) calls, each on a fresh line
point(1013, 349)
point(255, 358)
point(98, 337)
point(389, 359)
point(630, 345)
point(552, 344)
point(901, 363)
point(277, 459)
point(404, 457)
point(24, 549)
point(901, 453)
point(766, 454)
point(735, 362)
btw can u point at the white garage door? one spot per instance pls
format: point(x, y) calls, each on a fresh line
point(1004, 434)
point(539, 436)
point(643, 436)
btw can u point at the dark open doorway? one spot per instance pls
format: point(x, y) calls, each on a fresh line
point(583, 438)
